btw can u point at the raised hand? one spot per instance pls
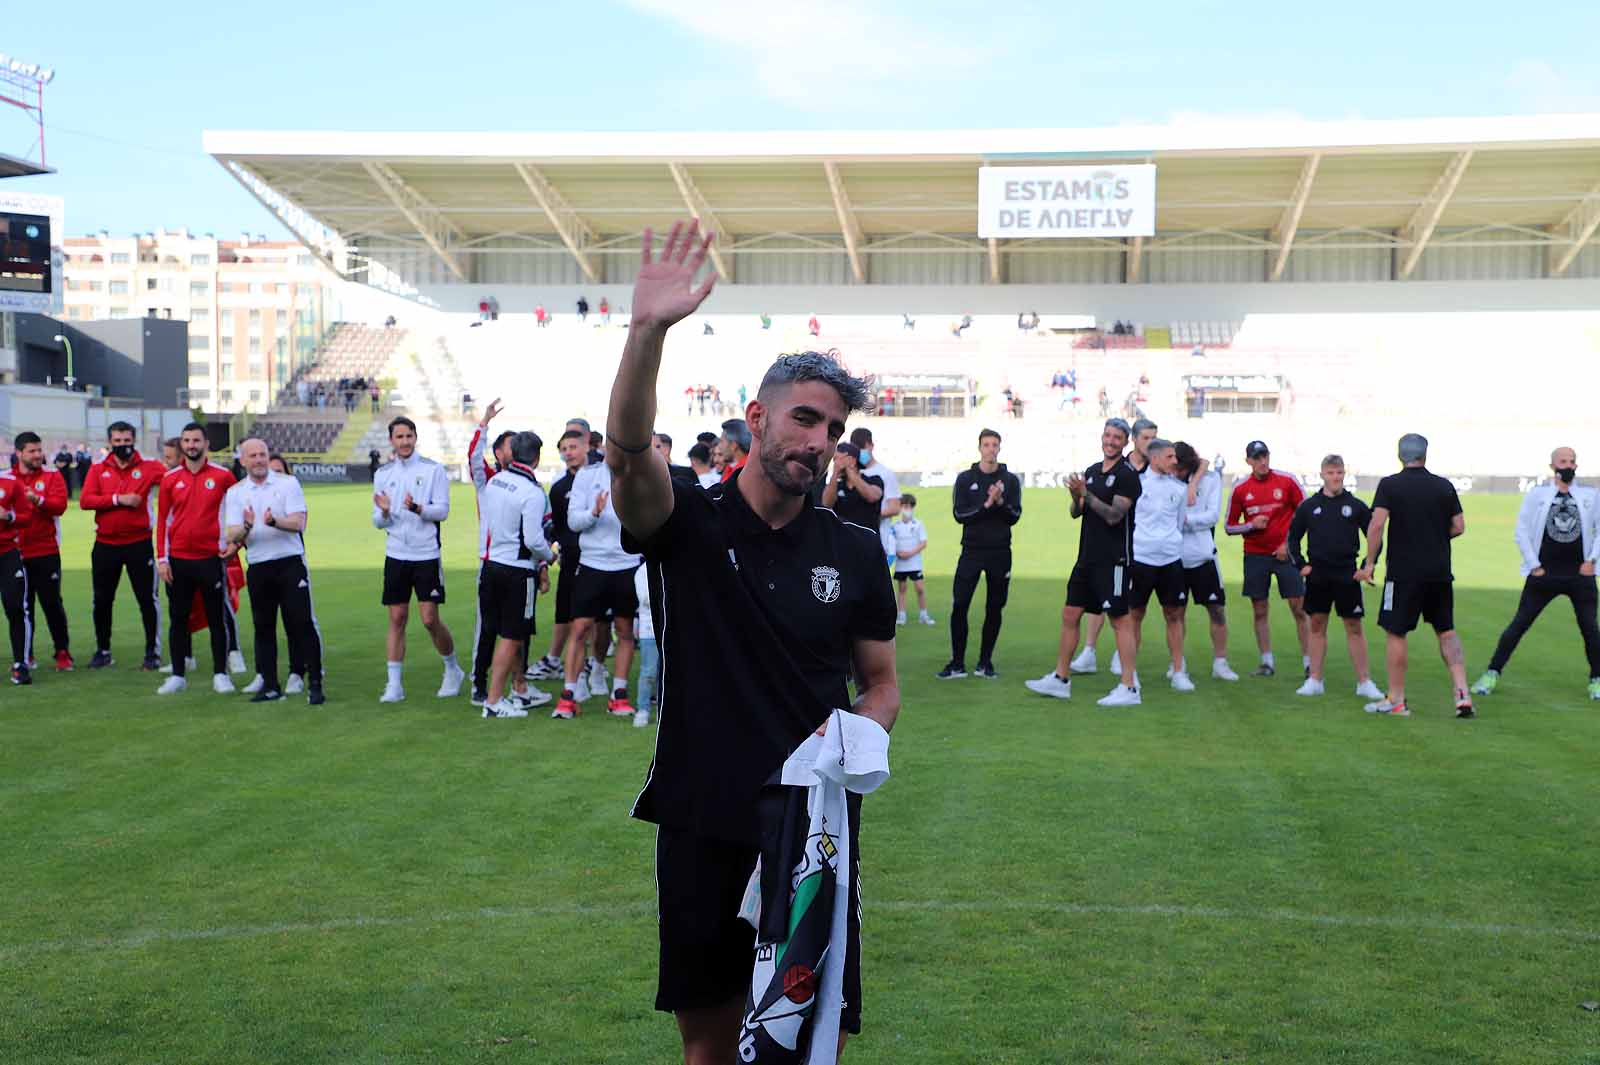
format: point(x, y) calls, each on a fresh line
point(997, 492)
point(490, 413)
point(382, 500)
point(1075, 484)
point(600, 503)
point(664, 291)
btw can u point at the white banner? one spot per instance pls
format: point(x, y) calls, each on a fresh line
point(1066, 201)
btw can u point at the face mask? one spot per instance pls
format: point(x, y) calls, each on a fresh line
point(866, 457)
point(1567, 475)
point(123, 451)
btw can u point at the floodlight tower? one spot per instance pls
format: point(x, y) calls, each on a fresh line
point(22, 86)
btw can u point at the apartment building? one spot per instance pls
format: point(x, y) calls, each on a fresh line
point(256, 308)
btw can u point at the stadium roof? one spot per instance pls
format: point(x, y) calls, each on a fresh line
point(14, 166)
point(1220, 186)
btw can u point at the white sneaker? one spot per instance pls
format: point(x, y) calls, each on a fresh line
point(580, 689)
point(1121, 695)
point(1116, 662)
point(599, 679)
point(1368, 690)
point(641, 718)
point(188, 666)
point(222, 684)
point(900, 618)
point(172, 686)
point(1182, 683)
point(392, 693)
point(1085, 662)
point(256, 684)
point(293, 684)
point(544, 669)
point(1313, 686)
point(530, 698)
point(450, 686)
point(236, 663)
point(1050, 685)
point(926, 618)
point(504, 708)
point(1223, 671)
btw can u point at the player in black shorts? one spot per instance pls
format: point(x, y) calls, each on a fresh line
point(573, 446)
point(1422, 514)
point(1103, 497)
point(1335, 521)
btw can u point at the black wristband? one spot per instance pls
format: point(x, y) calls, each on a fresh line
point(624, 448)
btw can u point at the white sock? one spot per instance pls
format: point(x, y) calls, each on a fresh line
point(1266, 659)
point(1220, 661)
point(450, 662)
point(1305, 661)
point(394, 673)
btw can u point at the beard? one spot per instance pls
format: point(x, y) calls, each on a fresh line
point(194, 456)
point(775, 464)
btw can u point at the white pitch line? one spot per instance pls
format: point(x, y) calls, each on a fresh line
point(134, 940)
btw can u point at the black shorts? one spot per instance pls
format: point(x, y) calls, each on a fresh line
point(1324, 595)
point(401, 579)
point(1205, 584)
point(566, 580)
point(1165, 581)
point(506, 597)
point(707, 950)
point(601, 593)
point(1259, 571)
point(1405, 602)
point(909, 575)
point(1099, 588)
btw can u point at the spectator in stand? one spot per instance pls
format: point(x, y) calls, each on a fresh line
point(700, 463)
point(1022, 322)
point(583, 309)
point(389, 323)
point(494, 309)
point(907, 322)
point(1007, 397)
point(376, 394)
point(605, 311)
point(541, 317)
point(688, 400)
point(744, 398)
point(483, 310)
point(813, 326)
point(960, 328)
point(1198, 351)
point(707, 330)
point(766, 321)
point(886, 403)
point(936, 400)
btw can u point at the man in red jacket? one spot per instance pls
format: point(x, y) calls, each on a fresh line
point(14, 516)
point(188, 542)
point(1261, 511)
point(117, 489)
point(46, 492)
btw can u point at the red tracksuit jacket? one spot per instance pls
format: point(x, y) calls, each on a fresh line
point(189, 518)
point(116, 525)
point(42, 535)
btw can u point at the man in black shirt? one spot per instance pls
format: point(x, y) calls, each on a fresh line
point(851, 494)
point(987, 502)
point(1426, 515)
point(1138, 457)
point(766, 605)
point(573, 446)
point(1103, 497)
point(1335, 521)
point(63, 465)
point(1558, 537)
point(663, 443)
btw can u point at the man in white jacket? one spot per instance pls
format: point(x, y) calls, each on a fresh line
point(1558, 536)
point(514, 555)
point(1201, 573)
point(1158, 555)
point(410, 498)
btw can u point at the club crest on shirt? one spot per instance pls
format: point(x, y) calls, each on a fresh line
point(1110, 479)
point(825, 583)
point(38, 486)
point(1345, 510)
point(1277, 493)
point(210, 484)
point(1318, 510)
point(138, 474)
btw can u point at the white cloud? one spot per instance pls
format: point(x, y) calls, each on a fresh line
point(816, 54)
point(1539, 87)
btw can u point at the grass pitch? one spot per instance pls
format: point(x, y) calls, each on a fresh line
point(1235, 875)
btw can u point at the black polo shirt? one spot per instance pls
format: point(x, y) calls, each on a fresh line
point(1099, 542)
point(854, 508)
point(756, 629)
point(1421, 506)
point(1333, 527)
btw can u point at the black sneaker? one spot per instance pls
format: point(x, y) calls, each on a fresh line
point(151, 663)
point(985, 670)
point(314, 696)
point(1264, 670)
point(953, 671)
point(20, 675)
point(101, 660)
point(267, 695)
point(479, 697)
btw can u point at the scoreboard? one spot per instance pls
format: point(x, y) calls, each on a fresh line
point(30, 253)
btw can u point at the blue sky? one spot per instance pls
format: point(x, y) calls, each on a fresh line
point(136, 85)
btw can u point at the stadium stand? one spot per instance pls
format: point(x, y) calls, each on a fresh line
point(297, 437)
point(351, 351)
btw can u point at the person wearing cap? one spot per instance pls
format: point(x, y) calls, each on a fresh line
point(1261, 510)
point(1422, 514)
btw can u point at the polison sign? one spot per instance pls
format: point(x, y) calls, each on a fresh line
point(1066, 201)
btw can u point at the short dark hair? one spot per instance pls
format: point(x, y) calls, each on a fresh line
point(25, 438)
point(288, 467)
point(573, 434)
point(402, 420)
point(707, 439)
point(525, 447)
point(861, 436)
point(193, 427)
point(120, 427)
point(595, 439)
point(1188, 457)
point(738, 431)
point(988, 432)
point(907, 499)
point(170, 441)
point(665, 439)
point(502, 438)
point(821, 366)
point(698, 452)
